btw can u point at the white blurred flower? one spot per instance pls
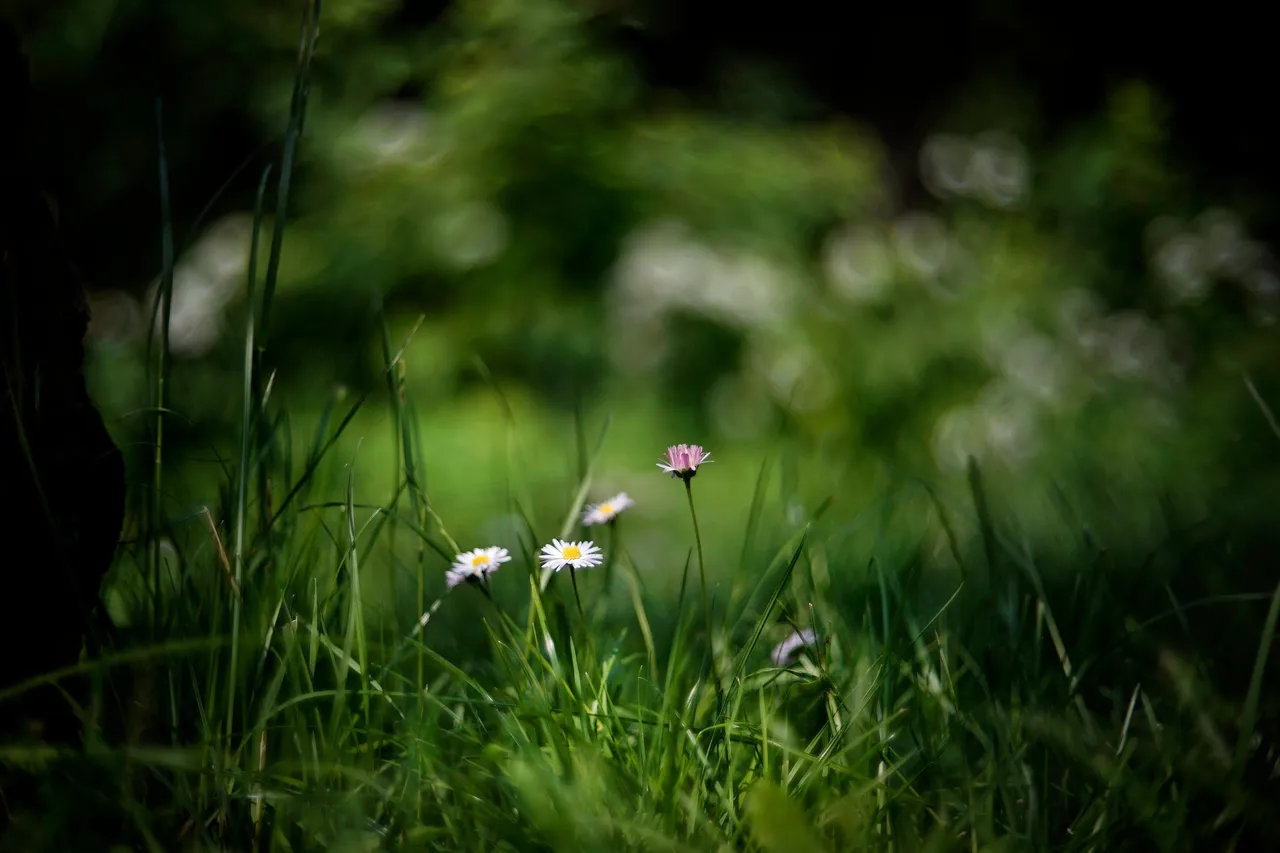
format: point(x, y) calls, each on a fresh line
point(471, 235)
point(608, 510)
point(195, 313)
point(785, 652)
point(664, 268)
point(998, 331)
point(858, 263)
point(1134, 346)
point(1263, 287)
point(388, 133)
point(1181, 265)
point(1035, 364)
point(957, 435)
point(922, 243)
point(1094, 341)
point(999, 169)
point(944, 164)
point(204, 284)
point(1262, 284)
point(661, 263)
point(1009, 433)
point(961, 273)
point(1228, 251)
point(994, 167)
point(743, 289)
point(1078, 311)
point(223, 250)
point(1008, 423)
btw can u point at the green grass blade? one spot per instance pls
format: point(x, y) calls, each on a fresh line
point(1249, 715)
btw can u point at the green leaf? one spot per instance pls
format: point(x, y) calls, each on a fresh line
point(778, 823)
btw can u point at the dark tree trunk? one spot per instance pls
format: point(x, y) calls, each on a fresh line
point(61, 476)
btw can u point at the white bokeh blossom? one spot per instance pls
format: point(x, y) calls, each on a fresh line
point(608, 510)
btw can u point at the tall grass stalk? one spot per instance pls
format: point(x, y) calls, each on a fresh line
point(164, 303)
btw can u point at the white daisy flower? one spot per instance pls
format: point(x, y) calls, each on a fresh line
point(786, 651)
point(578, 555)
point(607, 511)
point(476, 565)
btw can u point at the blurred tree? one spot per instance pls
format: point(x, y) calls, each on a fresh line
point(64, 483)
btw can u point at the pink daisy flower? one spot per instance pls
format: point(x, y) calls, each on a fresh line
point(682, 460)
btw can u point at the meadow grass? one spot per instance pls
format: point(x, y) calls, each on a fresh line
point(990, 699)
point(1011, 704)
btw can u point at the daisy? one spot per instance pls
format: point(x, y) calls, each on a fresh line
point(475, 565)
point(785, 652)
point(578, 555)
point(607, 511)
point(683, 460)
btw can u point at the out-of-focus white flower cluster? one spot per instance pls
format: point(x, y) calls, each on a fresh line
point(992, 167)
point(861, 261)
point(664, 269)
point(206, 280)
point(391, 133)
point(395, 144)
point(1049, 372)
point(1040, 368)
point(1188, 258)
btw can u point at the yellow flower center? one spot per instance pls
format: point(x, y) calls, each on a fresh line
point(571, 552)
point(606, 509)
point(479, 560)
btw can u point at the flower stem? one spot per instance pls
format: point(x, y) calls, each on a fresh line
point(702, 575)
point(602, 600)
point(503, 619)
point(573, 576)
point(590, 648)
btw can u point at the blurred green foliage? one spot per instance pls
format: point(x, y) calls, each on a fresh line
point(557, 245)
point(1070, 310)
